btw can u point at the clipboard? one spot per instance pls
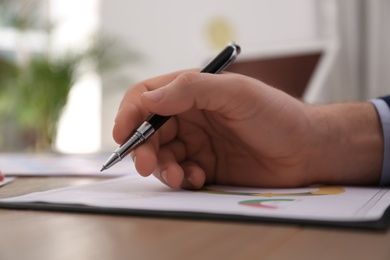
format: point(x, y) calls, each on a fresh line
point(326, 206)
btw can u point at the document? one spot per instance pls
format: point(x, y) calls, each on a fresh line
point(136, 195)
point(6, 180)
point(49, 164)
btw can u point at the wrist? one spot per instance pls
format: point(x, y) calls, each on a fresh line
point(347, 144)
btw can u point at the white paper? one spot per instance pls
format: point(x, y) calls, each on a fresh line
point(313, 203)
point(6, 180)
point(40, 164)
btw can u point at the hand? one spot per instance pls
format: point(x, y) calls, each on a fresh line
point(230, 129)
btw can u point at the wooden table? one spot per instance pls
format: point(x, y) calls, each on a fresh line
point(56, 235)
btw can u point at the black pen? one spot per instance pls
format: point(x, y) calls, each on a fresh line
point(154, 122)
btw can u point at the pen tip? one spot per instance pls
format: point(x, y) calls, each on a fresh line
point(103, 168)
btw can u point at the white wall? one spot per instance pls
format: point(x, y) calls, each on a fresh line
point(174, 34)
point(79, 127)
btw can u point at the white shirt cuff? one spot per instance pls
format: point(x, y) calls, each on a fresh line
point(384, 114)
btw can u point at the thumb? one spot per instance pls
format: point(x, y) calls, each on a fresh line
point(232, 95)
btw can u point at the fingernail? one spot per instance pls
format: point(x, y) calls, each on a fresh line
point(155, 95)
point(164, 176)
point(189, 181)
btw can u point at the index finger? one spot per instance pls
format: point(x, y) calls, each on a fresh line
point(130, 112)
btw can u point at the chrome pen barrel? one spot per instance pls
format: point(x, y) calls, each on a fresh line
point(139, 137)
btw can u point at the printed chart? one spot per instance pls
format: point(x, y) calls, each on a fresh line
point(276, 203)
point(134, 194)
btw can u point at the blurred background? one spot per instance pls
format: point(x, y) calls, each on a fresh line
point(65, 65)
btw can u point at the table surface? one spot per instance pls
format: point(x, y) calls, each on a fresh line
point(44, 235)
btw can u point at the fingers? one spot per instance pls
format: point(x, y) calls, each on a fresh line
point(145, 159)
point(194, 175)
point(187, 175)
point(126, 122)
point(131, 113)
point(168, 170)
point(169, 166)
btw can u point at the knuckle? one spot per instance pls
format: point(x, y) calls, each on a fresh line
point(188, 84)
point(188, 78)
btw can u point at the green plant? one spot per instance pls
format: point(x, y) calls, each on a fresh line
point(37, 95)
point(34, 92)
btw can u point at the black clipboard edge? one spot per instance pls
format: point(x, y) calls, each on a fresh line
point(378, 225)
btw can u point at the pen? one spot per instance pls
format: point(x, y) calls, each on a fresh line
point(154, 122)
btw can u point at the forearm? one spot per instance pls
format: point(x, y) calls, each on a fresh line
point(348, 142)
